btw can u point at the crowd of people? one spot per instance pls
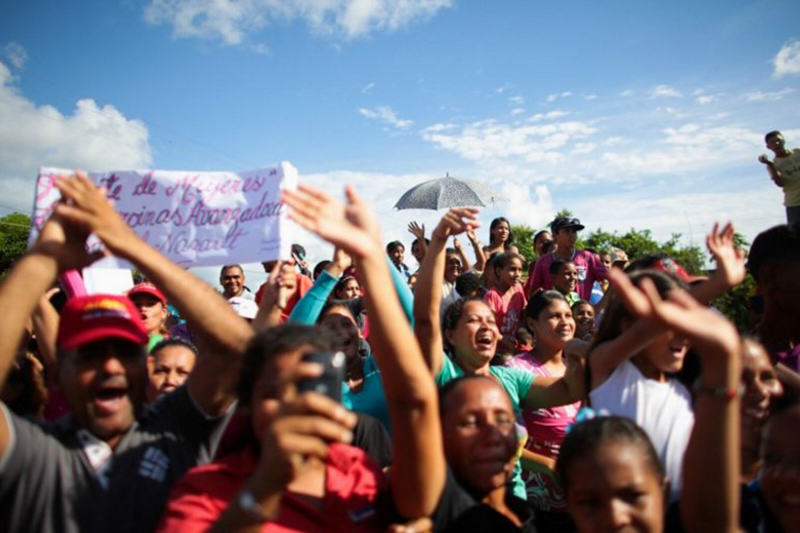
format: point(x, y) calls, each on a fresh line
point(581, 391)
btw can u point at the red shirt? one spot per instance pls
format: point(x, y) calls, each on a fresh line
point(588, 265)
point(508, 308)
point(356, 496)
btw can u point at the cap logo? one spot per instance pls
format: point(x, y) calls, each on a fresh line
point(105, 308)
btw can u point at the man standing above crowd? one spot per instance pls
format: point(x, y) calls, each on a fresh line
point(588, 265)
point(110, 464)
point(231, 277)
point(785, 172)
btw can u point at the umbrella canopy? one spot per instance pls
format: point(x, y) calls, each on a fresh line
point(441, 193)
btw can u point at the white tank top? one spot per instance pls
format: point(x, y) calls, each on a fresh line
point(663, 410)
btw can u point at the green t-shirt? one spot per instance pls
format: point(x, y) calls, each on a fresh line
point(516, 382)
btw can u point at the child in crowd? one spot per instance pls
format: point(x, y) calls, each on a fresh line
point(395, 250)
point(524, 340)
point(630, 364)
point(585, 326)
point(612, 474)
point(565, 279)
point(507, 300)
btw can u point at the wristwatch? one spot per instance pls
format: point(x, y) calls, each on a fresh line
point(248, 503)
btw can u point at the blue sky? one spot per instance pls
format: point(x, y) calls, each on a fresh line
point(645, 114)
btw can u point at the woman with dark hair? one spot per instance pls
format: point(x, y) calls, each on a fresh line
point(549, 317)
point(501, 239)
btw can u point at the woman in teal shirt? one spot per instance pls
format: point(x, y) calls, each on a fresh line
point(362, 390)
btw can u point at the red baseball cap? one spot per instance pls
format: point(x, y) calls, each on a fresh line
point(148, 288)
point(85, 319)
point(667, 264)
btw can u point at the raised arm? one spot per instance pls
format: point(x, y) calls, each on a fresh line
point(45, 326)
point(480, 256)
point(59, 247)
point(465, 264)
point(774, 173)
point(713, 450)
point(418, 471)
point(213, 380)
point(428, 291)
point(571, 387)
point(730, 265)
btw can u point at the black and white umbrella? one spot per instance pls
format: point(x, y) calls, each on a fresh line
point(441, 193)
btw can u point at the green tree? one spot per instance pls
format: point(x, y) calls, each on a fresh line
point(14, 229)
point(523, 238)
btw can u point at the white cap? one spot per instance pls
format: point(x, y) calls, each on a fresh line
point(244, 308)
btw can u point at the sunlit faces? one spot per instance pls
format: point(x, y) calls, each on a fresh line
point(152, 311)
point(475, 336)
point(614, 488)
point(167, 369)
point(665, 354)
point(543, 240)
point(565, 238)
point(554, 326)
point(511, 273)
point(349, 290)
point(780, 474)
point(452, 267)
point(339, 322)
point(103, 383)
point(499, 232)
point(566, 279)
point(776, 143)
point(396, 254)
point(417, 252)
point(605, 258)
point(583, 312)
point(480, 438)
point(232, 281)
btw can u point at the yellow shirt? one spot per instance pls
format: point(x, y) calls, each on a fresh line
point(789, 168)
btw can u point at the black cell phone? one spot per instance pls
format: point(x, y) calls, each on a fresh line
point(330, 382)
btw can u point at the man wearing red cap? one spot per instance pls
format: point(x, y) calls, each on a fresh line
point(110, 464)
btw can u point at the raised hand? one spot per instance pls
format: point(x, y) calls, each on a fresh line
point(66, 243)
point(709, 332)
point(729, 259)
point(456, 221)
point(456, 243)
point(417, 230)
point(764, 159)
point(301, 428)
point(86, 205)
point(352, 226)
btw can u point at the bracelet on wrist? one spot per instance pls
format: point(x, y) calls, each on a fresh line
point(718, 392)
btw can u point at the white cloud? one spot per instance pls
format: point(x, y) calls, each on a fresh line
point(556, 113)
point(517, 111)
point(260, 49)
point(490, 139)
point(665, 91)
point(526, 204)
point(16, 54)
point(555, 96)
point(690, 214)
point(386, 115)
point(768, 96)
point(590, 97)
point(626, 93)
point(584, 148)
point(232, 21)
point(787, 60)
point(367, 88)
point(93, 137)
point(704, 99)
point(516, 100)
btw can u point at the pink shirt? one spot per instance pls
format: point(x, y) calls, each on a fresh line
point(507, 308)
point(546, 427)
point(588, 265)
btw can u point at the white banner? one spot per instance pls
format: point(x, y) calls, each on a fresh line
point(193, 218)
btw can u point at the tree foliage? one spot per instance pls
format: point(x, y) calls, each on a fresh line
point(14, 229)
point(637, 243)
